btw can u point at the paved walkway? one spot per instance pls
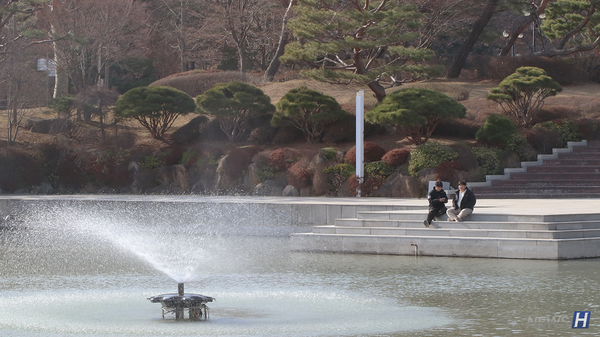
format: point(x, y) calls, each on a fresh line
point(497, 206)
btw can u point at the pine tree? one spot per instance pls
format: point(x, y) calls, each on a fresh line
point(354, 40)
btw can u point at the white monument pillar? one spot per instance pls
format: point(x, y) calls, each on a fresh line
point(360, 134)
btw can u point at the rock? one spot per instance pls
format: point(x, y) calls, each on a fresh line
point(268, 188)
point(291, 191)
point(43, 188)
point(49, 126)
point(189, 132)
point(175, 175)
point(510, 159)
point(344, 190)
point(399, 186)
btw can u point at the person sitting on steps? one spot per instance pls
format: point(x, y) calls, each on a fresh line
point(463, 203)
point(437, 198)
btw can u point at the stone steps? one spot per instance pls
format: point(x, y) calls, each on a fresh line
point(573, 172)
point(469, 224)
point(483, 234)
point(460, 232)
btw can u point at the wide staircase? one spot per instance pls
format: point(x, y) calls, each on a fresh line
point(573, 172)
point(494, 235)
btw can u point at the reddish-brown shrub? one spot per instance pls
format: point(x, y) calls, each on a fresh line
point(284, 157)
point(298, 176)
point(372, 152)
point(108, 169)
point(239, 158)
point(589, 128)
point(17, 170)
point(396, 157)
point(543, 140)
point(369, 185)
point(447, 171)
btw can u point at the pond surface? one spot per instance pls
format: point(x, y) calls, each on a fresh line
point(62, 276)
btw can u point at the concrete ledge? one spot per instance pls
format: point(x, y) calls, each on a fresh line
point(448, 246)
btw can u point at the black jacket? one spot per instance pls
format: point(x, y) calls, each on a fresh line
point(468, 200)
point(434, 198)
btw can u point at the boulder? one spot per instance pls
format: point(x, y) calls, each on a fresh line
point(399, 186)
point(291, 191)
point(189, 132)
point(269, 188)
point(49, 126)
point(175, 175)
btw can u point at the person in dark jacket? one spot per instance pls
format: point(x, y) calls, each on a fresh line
point(463, 203)
point(437, 198)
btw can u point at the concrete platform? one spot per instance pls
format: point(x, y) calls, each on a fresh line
point(499, 228)
point(523, 229)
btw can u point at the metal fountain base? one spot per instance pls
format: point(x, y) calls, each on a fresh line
point(178, 304)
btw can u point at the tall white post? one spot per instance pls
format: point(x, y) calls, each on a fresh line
point(360, 134)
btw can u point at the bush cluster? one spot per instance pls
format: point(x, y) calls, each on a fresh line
point(431, 154)
point(298, 176)
point(283, 158)
point(378, 169)
point(488, 160)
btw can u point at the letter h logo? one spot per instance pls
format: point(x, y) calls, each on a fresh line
point(581, 320)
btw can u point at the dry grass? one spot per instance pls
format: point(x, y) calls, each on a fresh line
point(582, 98)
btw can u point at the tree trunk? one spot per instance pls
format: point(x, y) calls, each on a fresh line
point(378, 90)
point(465, 49)
point(283, 40)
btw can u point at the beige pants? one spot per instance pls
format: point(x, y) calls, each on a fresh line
point(461, 213)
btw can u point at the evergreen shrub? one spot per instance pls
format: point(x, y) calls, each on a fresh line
point(431, 154)
point(497, 130)
point(488, 159)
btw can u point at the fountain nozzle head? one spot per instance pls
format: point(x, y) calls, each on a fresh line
point(180, 289)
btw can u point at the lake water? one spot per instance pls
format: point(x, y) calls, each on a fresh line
point(63, 276)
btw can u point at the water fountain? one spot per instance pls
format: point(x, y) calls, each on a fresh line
point(177, 303)
point(89, 268)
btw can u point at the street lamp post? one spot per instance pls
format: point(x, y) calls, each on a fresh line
point(535, 24)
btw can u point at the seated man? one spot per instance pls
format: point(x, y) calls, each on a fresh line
point(437, 198)
point(463, 203)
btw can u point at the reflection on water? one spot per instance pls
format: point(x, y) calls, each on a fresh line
point(81, 287)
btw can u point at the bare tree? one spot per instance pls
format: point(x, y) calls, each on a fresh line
point(99, 34)
point(249, 25)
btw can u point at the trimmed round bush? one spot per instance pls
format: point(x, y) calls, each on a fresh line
point(283, 158)
point(396, 157)
point(488, 159)
point(431, 154)
point(298, 176)
point(496, 131)
point(372, 152)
